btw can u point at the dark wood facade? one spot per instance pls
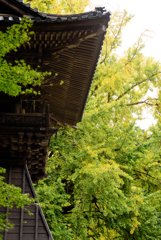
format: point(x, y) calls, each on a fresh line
point(24, 139)
point(66, 45)
point(26, 227)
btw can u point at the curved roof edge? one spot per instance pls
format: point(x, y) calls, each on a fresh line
point(39, 17)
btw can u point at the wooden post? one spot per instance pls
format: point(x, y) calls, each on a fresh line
point(47, 117)
point(22, 210)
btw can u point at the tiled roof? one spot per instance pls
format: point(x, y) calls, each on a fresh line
point(52, 18)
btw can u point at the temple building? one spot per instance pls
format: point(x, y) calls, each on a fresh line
point(68, 46)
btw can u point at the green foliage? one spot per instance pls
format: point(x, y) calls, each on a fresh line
point(105, 176)
point(13, 77)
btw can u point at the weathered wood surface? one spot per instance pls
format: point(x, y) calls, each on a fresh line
point(66, 45)
point(35, 227)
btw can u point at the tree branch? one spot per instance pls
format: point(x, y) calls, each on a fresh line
point(144, 173)
point(136, 84)
point(117, 149)
point(108, 234)
point(109, 97)
point(118, 32)
point(115, 37)
point(64, 133)
point(145, 101)
point(132, 104)
point(136, 50)
point(68, 210)
point(137, 144)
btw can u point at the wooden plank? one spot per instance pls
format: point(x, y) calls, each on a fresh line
point(16, 222)
point(43, 237)
point(2, 210)
point(31, 208)
point(28, 229)
point(3, 175)
point(27, 223)
point(30, 182)
point(15, 230)
point(31, 223)
point(17, 170)
point(41, 229)
point(17, 182)
point(30, 195)
point(15, 210)
point(27, 189)
point(15, 215)
point(16, 175)
point(14, 236)
point(27, 216)
point(13, 161)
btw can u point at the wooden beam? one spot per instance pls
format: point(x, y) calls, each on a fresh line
point(47, 117)
point(75, 43)
point(11, 5)
point(36, 223)
point(7, 209)
point(22, 210)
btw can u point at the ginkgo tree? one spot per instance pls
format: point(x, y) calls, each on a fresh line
point(59, 6)
point(106, 176)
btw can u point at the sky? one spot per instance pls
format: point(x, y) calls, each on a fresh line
point(147, 16)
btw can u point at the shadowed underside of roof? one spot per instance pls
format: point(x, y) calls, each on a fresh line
point(68, 46)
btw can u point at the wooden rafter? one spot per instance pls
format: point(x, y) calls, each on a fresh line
point(11, 5)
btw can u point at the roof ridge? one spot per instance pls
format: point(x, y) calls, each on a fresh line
point(37, 16)
point(100, 11)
